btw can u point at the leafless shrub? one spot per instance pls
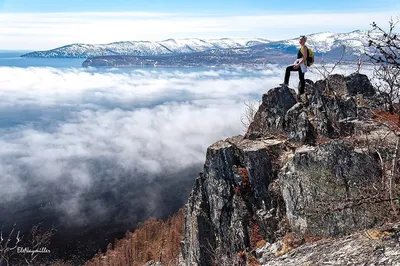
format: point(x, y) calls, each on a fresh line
point(38, 240)
point(324, 69)
point(251, 107)
point(384, 53)
point(8, 245)
point(15, 250)
point(359, 64)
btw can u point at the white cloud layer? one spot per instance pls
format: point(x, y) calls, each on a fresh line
point(69, 134)
point(65, 133)
point(39, 31)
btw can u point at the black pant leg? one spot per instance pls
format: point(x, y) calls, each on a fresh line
point(287, 73)
point(302, 81)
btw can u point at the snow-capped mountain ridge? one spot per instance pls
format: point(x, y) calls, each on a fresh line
point(146, 48)
point(322, 42)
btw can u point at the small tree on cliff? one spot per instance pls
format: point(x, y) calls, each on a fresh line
point(384, 53)
point(250, 111)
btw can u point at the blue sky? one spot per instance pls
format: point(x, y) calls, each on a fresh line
point(46, 24)
point(220, 6)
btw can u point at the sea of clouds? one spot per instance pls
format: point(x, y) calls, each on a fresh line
point(67, 132)
point(74, 140)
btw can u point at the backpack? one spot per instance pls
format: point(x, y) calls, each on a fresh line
point(310, 57)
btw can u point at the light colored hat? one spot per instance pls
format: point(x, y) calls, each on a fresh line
point(304, 37)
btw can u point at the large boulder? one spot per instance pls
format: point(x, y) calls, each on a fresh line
point(271, 113)
point(324, 187)
point(351, 85)
point(357, 83)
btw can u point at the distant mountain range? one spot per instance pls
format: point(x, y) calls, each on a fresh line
point(198, 52)
point(145, 48)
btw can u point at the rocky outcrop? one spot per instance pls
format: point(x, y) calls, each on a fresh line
point(230, 195)
point(380, 246)
point(271, 113)
point(296, 170)
point(327, 111)
point(359, 84)
point(322, 187)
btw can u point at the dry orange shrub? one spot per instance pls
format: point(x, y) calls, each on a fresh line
point(154, 240)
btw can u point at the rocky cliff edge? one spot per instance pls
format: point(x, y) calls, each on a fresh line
point(307, 175)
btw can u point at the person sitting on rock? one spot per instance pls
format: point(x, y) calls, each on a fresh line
point(300, 65)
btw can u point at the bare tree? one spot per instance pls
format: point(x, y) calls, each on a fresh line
point(27, 249)
point(324, 69)
point(359, 64)
point(38, 241)
point(249, 113)
point(385, 44)
point(387, 80)
point(8, 245)
point(384, 53)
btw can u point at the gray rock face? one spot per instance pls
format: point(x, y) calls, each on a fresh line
point(230, 193)
point(270, 115)
point(329, 110)
point(330, 105)
point(378, 247)
point(280, 178)
point(351, 85)
point(359, 84)
point(321, 186)
point(298, 125)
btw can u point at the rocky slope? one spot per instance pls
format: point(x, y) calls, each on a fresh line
point(371, 247)
point(314, 169)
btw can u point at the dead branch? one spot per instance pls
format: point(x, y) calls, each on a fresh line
point(323, 68)
point(391, 178)
point(8, 244)
point(250, 111)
